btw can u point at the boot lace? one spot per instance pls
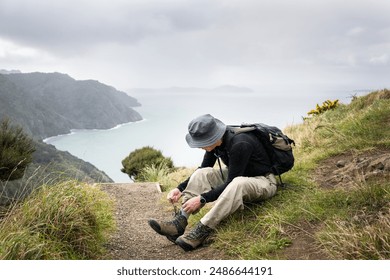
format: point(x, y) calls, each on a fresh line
point(176, 210)
point(199, 232)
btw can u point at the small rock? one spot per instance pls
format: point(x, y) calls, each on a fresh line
point(360, 159)
point(341, 163)
point(387, 165)
point(377, 165)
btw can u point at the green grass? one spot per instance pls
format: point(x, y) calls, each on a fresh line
point(362, 229)
point(67, 220)
point(351, 223)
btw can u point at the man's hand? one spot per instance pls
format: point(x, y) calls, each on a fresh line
point(192, 205)
point(174, 195)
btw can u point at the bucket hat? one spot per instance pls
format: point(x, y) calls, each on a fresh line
point(204, 131)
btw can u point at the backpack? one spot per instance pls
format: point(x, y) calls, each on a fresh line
point(276, 143)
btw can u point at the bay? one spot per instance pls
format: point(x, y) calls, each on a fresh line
point(166, 117)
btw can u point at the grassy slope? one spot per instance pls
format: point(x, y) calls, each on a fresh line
point(328, 218)
point(264, 231)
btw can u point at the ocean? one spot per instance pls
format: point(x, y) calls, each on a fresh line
point(166, 117)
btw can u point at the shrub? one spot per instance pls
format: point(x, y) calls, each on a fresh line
point(326, 105)
point(141, 158)
point(16, 149)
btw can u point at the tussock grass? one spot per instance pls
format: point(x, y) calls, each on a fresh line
point(67, 220)
point(168, 178)
point(153, 173)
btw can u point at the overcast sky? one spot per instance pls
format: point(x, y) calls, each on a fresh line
point(203, 43)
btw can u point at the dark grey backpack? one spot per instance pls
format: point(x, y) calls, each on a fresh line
point(277, 144)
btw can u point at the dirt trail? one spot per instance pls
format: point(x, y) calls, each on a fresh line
point(136, 203)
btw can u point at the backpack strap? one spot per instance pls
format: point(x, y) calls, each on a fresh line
point(281, 184)
point(220, 168)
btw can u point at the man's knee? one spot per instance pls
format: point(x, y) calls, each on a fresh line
point(200, 181)
point(200, 176)
point(207, 175)
point(251, 188)
point(202, 171)
point(235, 187)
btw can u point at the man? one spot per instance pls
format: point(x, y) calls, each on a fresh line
point(247, 178)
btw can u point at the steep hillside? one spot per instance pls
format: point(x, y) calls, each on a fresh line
point(49, 104)
point(48, 167)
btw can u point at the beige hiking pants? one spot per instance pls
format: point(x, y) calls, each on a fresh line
point(240, 190)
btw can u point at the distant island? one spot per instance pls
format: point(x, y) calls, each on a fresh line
point(220, 89)
point(3, 71)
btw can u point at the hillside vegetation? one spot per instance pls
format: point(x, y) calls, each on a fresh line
point(50, 104)
point(337, 203)
point(50, 165)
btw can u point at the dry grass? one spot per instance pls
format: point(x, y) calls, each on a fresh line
point(364, 237)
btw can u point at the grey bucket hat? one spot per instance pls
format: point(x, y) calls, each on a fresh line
point(204, 131)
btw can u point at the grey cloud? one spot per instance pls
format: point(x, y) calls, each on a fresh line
point(186, 41)
point(74, 24)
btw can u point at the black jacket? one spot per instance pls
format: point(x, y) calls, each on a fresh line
point(243, 154)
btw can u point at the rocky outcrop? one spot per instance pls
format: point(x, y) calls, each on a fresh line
point(350, 169)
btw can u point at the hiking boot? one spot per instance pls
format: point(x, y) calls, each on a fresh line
point(171, 229)
point(194, 238)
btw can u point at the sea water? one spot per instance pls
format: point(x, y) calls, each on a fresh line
point(166, 117)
